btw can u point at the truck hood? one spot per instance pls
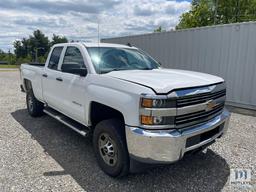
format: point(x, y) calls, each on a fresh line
point(166, 80)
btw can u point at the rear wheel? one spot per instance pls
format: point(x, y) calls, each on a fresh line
point(35, 107)
point(110, 147)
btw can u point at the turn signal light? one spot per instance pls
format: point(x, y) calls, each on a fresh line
point(146, 120)
point(147, 102)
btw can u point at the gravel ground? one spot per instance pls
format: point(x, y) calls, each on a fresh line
point(9, 69)
point(40, 154)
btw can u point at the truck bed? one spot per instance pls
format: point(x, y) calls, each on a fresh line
point(33, 73)
point(36, 64)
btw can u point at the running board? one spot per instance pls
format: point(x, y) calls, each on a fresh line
point(78, 127)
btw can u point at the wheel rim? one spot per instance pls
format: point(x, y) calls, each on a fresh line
point(30, 103)
point(108, 150)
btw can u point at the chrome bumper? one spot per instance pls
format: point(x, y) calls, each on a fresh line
point(166, 146)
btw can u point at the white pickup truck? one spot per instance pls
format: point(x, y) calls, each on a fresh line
point(135, 110)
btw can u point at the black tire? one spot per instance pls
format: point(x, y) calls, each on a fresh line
point(34, 107)
point(114, 128)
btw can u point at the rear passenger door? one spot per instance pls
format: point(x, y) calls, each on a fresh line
point(50, 81)
point(73, 95)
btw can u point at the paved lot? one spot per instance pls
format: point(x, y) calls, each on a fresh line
point(40, 154)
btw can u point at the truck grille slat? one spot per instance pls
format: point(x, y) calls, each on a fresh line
point(197, 115)
point(191, 100)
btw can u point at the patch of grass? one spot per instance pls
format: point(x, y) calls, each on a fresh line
point(8, 70)
point(9, 66)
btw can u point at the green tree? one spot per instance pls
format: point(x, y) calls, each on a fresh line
point(159, 29)
point(2, 55)
point(7, 57)
point(36, 47)
point(211, 12)
point(39, 43)
point(21, 48)
point(58, 39)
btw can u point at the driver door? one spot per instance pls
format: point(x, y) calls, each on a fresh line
point(73, 92)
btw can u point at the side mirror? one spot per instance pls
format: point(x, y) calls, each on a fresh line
point(78, 71)
point(82, 72)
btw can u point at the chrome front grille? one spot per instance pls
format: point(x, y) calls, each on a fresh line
point(194, 108)
point(191, 119)
point(199, 98)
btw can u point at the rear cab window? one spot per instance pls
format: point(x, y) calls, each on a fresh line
point(55, 57)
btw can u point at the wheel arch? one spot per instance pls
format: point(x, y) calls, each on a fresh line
point(27, 85)
point(99, 112)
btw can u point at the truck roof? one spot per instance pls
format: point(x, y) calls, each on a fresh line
point(105, 45)
point(96, 45)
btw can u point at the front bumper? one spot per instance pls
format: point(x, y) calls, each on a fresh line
point(166, 146)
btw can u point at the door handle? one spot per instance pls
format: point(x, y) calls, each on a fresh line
point(59, 79)
point(45, 75)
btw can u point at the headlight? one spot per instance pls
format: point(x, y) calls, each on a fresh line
point(157, 110)
point(158, 103)
point(157, 120)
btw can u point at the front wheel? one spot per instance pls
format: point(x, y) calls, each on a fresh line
point(110, 147)
point(35, 107)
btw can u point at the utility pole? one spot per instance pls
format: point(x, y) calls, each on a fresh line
point(28, 48)
point(36, 50)
point(215, 12)
point(36, 55)
point(98, 31)
point(237, 10)
point(9, 57)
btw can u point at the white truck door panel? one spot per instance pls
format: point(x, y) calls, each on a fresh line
point(73, 94)
point(51, 86)
point(72, 90)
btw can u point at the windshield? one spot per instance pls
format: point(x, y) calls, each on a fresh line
point(107, 59)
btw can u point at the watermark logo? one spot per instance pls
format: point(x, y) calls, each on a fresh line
point(241, 178)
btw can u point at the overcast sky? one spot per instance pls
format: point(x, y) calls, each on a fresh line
point(78, 19)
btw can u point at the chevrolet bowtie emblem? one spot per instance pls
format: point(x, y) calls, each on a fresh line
point(210, 105)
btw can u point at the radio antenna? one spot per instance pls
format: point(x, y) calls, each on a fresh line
point(99, 41)
point(98, 32)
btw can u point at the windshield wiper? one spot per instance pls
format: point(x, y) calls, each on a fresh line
point(121, 69)
point(145, 68)
point(113, 69)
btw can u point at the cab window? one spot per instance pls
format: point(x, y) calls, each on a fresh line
point(55, 57)
point(73, 59)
